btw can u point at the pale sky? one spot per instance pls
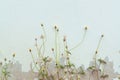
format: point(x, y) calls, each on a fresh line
point(20, 23)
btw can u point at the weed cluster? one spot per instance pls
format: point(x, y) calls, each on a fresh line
point(60, 67)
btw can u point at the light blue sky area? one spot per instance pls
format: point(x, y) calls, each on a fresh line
point(20, 23)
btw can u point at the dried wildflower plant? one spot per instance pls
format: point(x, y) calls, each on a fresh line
point(61, 67)
point(5, 68)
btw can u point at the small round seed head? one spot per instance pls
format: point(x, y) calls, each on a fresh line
point(35, 39)
point(66, 47)
point(52, 49)
point(56, 64)
point(42, 25)
point(96, 52)
point(86, 28)
point(102, 35)
point(55, 27)
point(30, 50)
point(13, 55)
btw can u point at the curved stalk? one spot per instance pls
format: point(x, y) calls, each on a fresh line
point(96, 52)
point(84, 35)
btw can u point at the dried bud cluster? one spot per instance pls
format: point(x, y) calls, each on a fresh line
point(56, 28)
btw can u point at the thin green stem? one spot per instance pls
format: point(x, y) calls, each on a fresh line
point(34, 61)
point(45, 40)
point(56, 47)
point(84, 35)
point(96, 52)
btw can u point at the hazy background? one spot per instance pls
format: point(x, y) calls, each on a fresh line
point(20, 23)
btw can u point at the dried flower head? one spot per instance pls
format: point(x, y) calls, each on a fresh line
point(52, 49)
point(102, 35)
point(56, 64)
point(96, 52)
point(35, 39)
point(66, 47)
point(42, 25)
point(64, 39)
point(55, 27)
point(86, 27)
point(13, 55)
point(30, 50)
